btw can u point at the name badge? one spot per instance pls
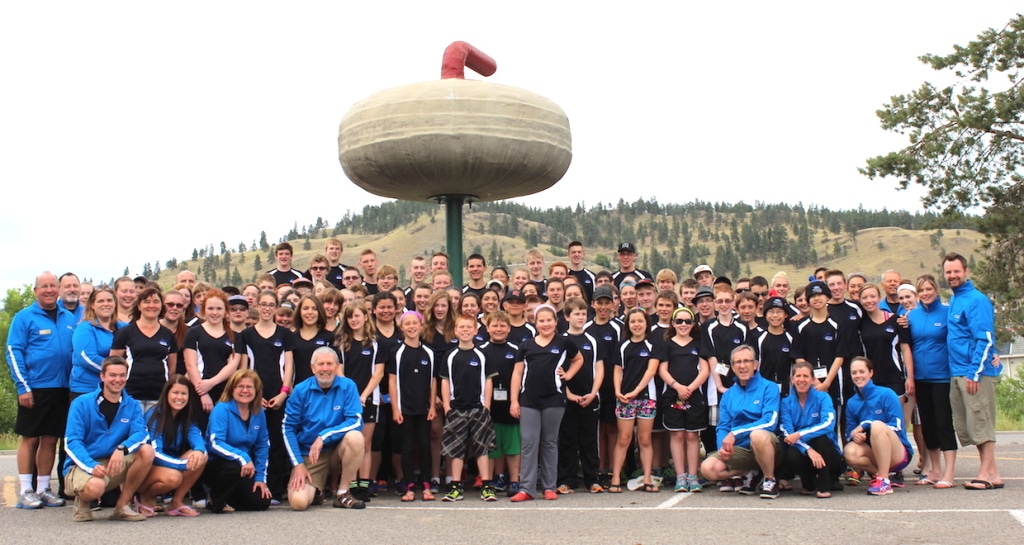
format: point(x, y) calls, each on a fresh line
point(500, 395)
point(820, 373)
point(722, 369)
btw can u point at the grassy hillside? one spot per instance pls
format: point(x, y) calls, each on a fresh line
point(678, 241)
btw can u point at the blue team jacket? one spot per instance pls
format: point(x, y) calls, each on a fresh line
point(88, 437)
point(39, 350)
point(91, 344)
point(872, 403)
point(971, 338)
point(232, 439)
point(312, 412)
point(928, 332)
point(816, 418)
point(168, 455)
point(745, 409)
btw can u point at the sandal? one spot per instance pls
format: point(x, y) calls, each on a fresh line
point(615, 489)
point(651, 487)
point(143, 509)
point(182, 511)
point(427, 495)
point(784, 486)
point(944, 485)
point(409, 495)
point(824, 495)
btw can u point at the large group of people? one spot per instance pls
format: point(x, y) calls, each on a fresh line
point(336, 383)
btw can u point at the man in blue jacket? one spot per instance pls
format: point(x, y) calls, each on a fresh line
point(107, 445)
point(39, 357)
point(971, 339)
point(748, 415)
point(323, 422)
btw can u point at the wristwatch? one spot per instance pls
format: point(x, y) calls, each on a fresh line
point(123, 449)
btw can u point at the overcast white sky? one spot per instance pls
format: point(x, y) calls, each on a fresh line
point(135, 131)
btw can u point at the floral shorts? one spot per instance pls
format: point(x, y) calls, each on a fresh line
point(644, 409)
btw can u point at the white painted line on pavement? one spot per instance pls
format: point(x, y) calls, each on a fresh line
point(1019, 515)
point(673, 501)
point(659, 507)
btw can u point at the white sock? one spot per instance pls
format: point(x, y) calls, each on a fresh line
point(342, 491)
point(42, 484)
point(26, 481)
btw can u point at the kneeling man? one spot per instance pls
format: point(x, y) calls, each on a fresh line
point(748, 418)
point(323, 425)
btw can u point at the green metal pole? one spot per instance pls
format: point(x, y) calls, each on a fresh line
point(453, 235)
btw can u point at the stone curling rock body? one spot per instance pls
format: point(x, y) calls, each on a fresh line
point(455, 137)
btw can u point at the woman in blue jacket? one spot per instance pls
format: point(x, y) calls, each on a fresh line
point(239, 447)
point(877, 440)
point(928, 328)
point(808, 430)
point(180, 450)
point(91, 341)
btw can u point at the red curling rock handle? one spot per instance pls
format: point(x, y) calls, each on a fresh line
point(460, 55)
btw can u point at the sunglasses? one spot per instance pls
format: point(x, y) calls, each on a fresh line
point(174, 305)
point(318, 268)
point(683, 321)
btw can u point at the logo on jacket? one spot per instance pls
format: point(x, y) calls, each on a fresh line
point(644, 353)
point(586, 346)
point(828, 337)
point(125, 420)
point(474, 362)
point(163, 343)
point(278, 343)
point(424, 362)
point(336, 408)
point(555, 350)
point(367, 352)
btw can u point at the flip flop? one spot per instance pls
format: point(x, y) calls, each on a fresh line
point(942, 485)
point(985, 485)
point(146, 510)
point(924, 481)
point(182, 511)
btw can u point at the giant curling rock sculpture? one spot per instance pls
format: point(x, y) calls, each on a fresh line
point(455, 139)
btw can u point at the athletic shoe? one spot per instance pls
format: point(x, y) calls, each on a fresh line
point(521, 496)
point(681, 484)
point(127, 514)
point(51, 499)
point(82, 512)
point(197, 504)
point(880, 487)
point(693, 484)
point(550, 495)
point(499, 483)
point(896, 480)
point(435, 486)
point(852, 478)
point(454, 493)
point(487, 494)
point(769, 489)
point(564, 489)
point(513, 489)
point(29, 500)
point(749, 483)
point(725, 485)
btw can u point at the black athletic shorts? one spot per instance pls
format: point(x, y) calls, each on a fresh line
point(48, 416)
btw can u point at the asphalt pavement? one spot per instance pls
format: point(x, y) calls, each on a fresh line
point(916, 514)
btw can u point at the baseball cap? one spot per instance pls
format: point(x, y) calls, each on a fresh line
point(604, 292)
point(627, 247)
point(702, 268)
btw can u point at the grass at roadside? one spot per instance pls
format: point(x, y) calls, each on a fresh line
point(9, 441)
point(1007, 423)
